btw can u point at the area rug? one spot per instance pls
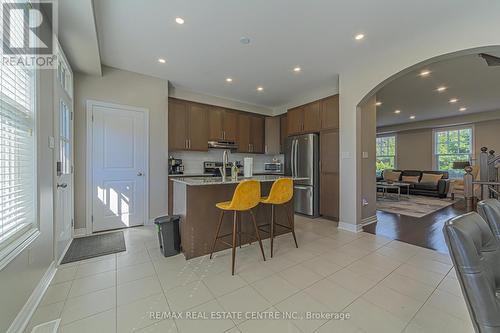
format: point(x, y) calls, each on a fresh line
point(95, 246)
point(415, 206)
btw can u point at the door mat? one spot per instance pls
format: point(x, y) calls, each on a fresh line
point(95, 246)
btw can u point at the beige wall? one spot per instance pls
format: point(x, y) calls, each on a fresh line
point(414, 147)
point(368, 152)
point(414, 150)
point(127, 88)
point(20, 277)
point(487, 134)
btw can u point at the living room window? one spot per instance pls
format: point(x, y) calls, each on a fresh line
point(452, 145)
point(18, 183)
point(386, 152)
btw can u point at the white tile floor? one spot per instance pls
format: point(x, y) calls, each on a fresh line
point(385, 286)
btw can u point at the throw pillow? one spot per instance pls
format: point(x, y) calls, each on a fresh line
point(391, 176)
point(430, 178)
point(410, 179)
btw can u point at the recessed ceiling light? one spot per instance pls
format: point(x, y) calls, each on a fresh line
point(453, 100)
point(297, 69)
point(412, 117)
point(161, 60)
point(462, 109)
point(179, 20)
point(260, 88)
point(245, 40)
point(378, 103)
point(397, 111)
point(359, 36)
point(441, 89)
point(425, 72)
point(229, 79)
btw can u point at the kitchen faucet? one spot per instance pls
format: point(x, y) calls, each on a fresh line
point(225, 162)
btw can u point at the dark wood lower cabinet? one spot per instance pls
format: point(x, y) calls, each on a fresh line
point(329, 196)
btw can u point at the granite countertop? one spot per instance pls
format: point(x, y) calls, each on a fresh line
point(197, 181)
point(259, 173)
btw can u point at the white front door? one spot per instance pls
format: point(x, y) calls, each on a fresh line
point(119, 165)
point(63, 130)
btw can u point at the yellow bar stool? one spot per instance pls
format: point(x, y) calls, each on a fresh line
point(245, 197)
point(281, 193)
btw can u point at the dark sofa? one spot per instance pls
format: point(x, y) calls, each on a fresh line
point(440, 190)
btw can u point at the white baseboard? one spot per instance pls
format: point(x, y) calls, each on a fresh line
point(64, 252)
point(149, 222)
point(24, 316)
point(82, 232)
point(350, 227)
point(369, 220)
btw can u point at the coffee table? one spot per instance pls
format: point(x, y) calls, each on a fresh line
point(384, 186)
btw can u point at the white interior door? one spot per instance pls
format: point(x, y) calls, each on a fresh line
point(119, 165)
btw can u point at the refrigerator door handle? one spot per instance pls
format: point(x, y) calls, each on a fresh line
point(294, 155)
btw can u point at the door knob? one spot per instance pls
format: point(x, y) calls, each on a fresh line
point(140, 174)
point(63, 185)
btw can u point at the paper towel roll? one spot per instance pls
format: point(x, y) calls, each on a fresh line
point(248, 167)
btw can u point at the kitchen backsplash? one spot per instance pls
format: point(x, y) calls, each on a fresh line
point(193, 161)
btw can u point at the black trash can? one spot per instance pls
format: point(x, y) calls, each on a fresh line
point(168, 234)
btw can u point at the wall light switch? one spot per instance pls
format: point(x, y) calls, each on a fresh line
point(365, 202)
point(365, 154)
point(52, 142)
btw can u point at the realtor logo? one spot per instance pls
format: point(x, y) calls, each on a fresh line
point(28, 30)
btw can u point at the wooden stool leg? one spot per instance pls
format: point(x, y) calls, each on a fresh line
point(273, 216)
point(217, 233)
point(258, 235)
point(234, 241)
point(239, 229)
point(289, 219)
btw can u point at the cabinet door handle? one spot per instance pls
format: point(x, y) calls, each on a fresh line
point(186, 144)
point(189, 143)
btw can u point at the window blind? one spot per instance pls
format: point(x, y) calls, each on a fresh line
point(17, 143)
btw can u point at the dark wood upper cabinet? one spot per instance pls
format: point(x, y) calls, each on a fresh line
point(197, 127)
point(272, 135)
point(222, 124)
point(230, 125)
point(191, 125)
point(187, 128)
point(215, 115)
point(243, 133)
point(295, 121)
point(257, 134)
point(330, 112)
point(283, 132)
point(312, 120)
point(177, 135)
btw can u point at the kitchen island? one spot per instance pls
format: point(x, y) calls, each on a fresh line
point(194, 200)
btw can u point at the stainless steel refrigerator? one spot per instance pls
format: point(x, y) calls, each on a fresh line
point(302, 160)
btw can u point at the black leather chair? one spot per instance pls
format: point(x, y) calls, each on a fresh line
point(475, 252)
point(489, 210)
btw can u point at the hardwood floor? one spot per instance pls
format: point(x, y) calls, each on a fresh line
point(425, 231)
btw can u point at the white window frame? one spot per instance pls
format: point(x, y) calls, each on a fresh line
point(451, 128)
point(395, 135)
point(20, 240)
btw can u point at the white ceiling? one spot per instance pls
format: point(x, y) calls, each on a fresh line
point(316, 35)
point(467, 78)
